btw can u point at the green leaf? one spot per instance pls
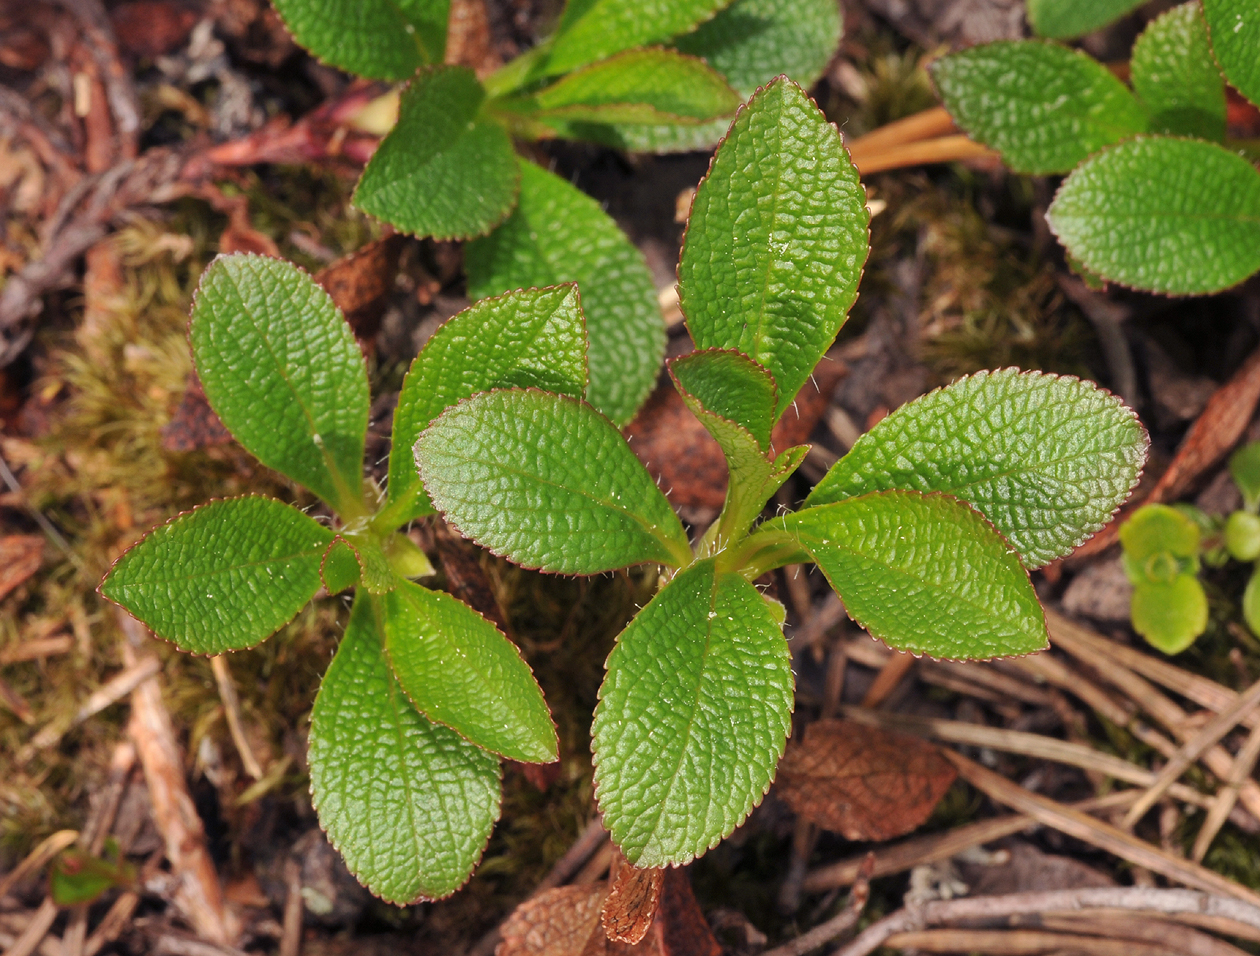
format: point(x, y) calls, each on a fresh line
point(459, 670)
point(378, 39)
point(223, 576)
point(639, 86)
point(442, 171)
point(923, 573)
point(1169, 614)
point(280, 366)
point(548, 483)
point(750, 43)
point(78, 877)
point(1251, 602)
point(1165, 215)
point(557, 234)
point(1154, 529)
point(378, 576)
point(1244, 467)
point(1234, 26)
point(731, 385)
point(1042, 106)
point(408, 803)
point(1173, 74)
point(1048, 459)
point(339, 569)
point(1068, 19)
point(1242, 536)
point(734, 398)
point(535, 338)
point(777, 239)
point(692, 719)
point(591, 30)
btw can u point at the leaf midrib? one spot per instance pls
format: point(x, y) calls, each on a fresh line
point(692, 716)
point(282, 371)
point(502, 467)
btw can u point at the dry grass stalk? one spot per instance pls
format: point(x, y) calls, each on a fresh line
point(232, 711)
point(899, 857)
point(199, 895)
point(1194, 748)
point(895, 668)
point(839, 924)
point(1227, 796)
point(291, 939)
point(1084, 902)
point(944, 149)
point(47, 849)
point(924, 125)
point(33, 650)
point(1183, 939)
point(1021, 742)
point(1022, 942)
point(1076, 641)
point(41, 922)
point(1096, 833)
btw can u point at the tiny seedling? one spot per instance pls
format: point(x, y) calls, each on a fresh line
point(1156, 198)
point(926, 529)
point(657, 76)
point(1163, 546)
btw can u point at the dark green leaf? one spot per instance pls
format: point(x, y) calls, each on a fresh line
point(459, 670)
point(693, 715)
point(1067, 19)
point(1047, 459)
point(557, 234)
point(535, 338)
point(1234, 26)
point(924, 573)
point(777, 239)
point(1172, 72)
point(409, 803)
point(591, 30)
point(1165, 215)
point(442, 171)
point(281, 368)
point(548, 483)
point(1042, 106)
point(223, 576)
point(640, 86)
point(379, 39)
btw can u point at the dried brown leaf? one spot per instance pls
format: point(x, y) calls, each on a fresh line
point(678, 451)
point(565, 922)
point(628, 912)
point(863, 782)
point(360, 283)
point(152, 28)
point(194, 424)
point(682, 926)
point(20, 556)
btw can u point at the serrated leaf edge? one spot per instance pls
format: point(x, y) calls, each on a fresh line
point(528, 567)
point(682, 390)
point(844, 147)
point(757, 800)
point(1106, 394)
point(511, 643)
point(362, 365)
point(453, 236)
point(1107, 279)
point(338, 539)
point(171, 520)
point(1001, 537)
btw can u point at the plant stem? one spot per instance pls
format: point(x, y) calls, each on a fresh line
point(943, 149)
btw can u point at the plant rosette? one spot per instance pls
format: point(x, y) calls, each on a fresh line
point(926, 529)
point(1155, 197)
point(657, 76)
